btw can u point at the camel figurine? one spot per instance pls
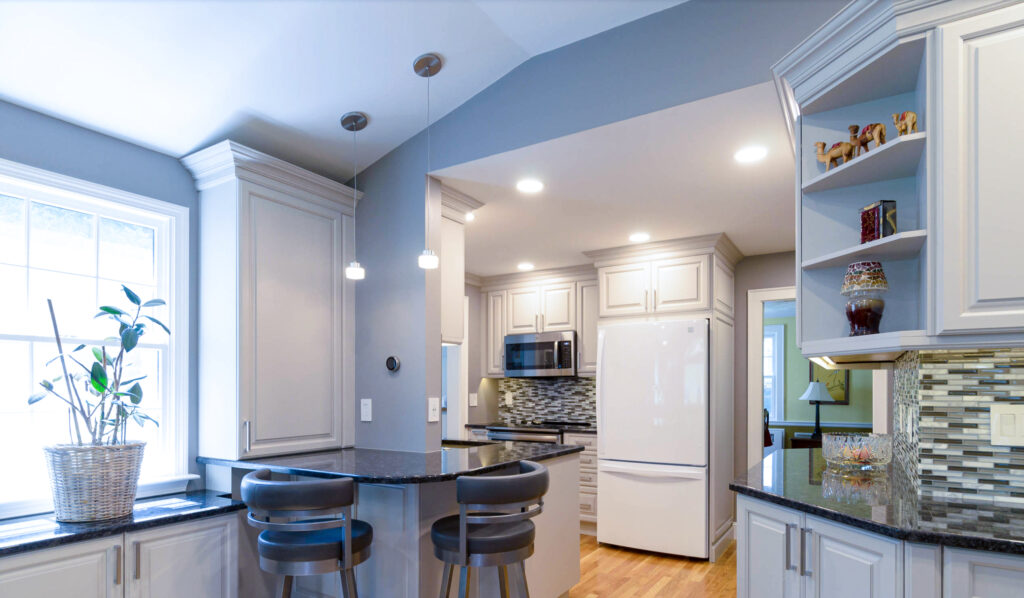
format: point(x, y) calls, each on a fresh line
point(873, 132)
point(906, 122)
point(842, 150)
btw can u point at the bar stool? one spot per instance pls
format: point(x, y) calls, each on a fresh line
point(493, 527)
point(310, 540)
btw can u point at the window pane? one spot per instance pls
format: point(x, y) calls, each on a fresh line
point(12, 230)
point(62, 239)
point(74, 303)
point(126, 252)
point(13, 297)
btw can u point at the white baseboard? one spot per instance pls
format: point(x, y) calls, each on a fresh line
point(719, 546)
point(588, 528)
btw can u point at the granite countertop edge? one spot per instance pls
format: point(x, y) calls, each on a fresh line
point(567, 430)
point(953, 540)
point(103, 529)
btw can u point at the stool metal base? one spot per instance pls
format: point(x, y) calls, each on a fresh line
point(291, 569)
point(515, 559)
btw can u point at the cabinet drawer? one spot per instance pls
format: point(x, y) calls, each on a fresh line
point(588, 504)
point(588, 441)
point(588, 478)
point(588, 460)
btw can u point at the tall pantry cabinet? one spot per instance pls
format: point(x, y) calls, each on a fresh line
point(275, 312)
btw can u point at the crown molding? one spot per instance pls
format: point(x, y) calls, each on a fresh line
point(474, 280)
point(551, 275)
point(455, 204)
point(230, 160)
point(719, 244)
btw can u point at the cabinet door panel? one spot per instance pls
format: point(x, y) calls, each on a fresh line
point(980, 208)
point(292, 343)
point(453, 277)
point(85, 570)
point(197, 559)
point(761, 567)
point(586, 332)
point(844, 563)
point(558, 307)
point(624, 289)
point(523, 311)
point(973, 574)
point(680, 284)
point(496, 332)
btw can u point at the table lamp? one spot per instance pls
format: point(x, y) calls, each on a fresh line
point(817, 393)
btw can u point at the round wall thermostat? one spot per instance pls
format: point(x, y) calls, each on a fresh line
point(393, 364)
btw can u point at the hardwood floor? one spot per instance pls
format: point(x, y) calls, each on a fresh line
point(611, 571)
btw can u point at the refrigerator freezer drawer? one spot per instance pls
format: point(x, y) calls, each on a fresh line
point(653, 507)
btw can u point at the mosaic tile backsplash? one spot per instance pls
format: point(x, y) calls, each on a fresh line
point(557, 399)
point(905, 415)
point(954, 456)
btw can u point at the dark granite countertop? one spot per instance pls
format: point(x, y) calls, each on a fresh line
point(399, 467)
point(566, 429)
point(22, 534)
point(886, 504)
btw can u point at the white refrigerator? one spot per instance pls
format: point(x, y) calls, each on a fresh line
point(652, 418)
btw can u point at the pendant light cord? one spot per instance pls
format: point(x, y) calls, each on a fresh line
point(426, 206)
point(355, 189)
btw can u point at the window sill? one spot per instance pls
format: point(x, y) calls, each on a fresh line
point(146, 489)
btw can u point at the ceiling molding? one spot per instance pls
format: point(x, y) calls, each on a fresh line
point(229, 160)
point(567, 274)
point(455, 204)
point(474, 280)
point(718, 243)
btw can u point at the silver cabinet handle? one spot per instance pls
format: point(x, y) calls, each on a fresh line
point(138, 560)
point(645, 300)
point(543, 323)
point(248, 436)
point(654, 300)
point(805, 571)
point(117, 565)
point(789, 547)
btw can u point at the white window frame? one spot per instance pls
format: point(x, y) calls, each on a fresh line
point(755, 365)
point(20, 180)
point(777, 332)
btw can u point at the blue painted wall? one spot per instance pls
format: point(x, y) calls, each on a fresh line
point(31, 138)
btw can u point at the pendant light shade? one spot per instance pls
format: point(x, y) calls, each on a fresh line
point(428, 260)
point(354, 121)
point(355, 271)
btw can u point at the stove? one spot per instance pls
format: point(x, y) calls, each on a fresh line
point(534, 431)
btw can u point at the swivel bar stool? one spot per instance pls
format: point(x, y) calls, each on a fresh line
point(493, 527)
point(307, 537)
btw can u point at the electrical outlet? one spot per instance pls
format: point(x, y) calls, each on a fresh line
point(473, 400)
point(366, 410)
point(508, 400)
point(433, 409)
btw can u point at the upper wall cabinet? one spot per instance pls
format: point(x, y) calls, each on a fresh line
point(545, 308)
point(275, 310)
point(939, 77)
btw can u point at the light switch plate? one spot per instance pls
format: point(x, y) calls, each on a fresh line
point(433, 409)
point(473, 400)
point(366, 410)
point(1006, 424)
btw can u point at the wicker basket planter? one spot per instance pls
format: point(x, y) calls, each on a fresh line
point(93, 482)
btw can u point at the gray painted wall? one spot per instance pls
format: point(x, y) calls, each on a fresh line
point(757, 272)
point(31, 138)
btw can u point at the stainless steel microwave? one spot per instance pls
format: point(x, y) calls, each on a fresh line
point(540, 355)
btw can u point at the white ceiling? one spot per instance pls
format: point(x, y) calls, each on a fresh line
point(670, 173)
point(176, 76)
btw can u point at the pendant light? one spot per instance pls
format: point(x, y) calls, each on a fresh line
point(354, 121)
point(427, 66)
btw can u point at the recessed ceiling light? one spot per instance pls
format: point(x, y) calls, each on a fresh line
point(751, 153)
point(525, 266)
point(639, 238)
point(529, 185)
point(470, 216)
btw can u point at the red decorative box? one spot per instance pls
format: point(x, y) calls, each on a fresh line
point(877, 220)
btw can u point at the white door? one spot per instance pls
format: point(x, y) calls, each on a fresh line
point(90, 569)
point(680, 284)
point(652, 389)
point(979, 250)
point(840, 562)
point(767, 544)
point(653, 507)
point(558, 307)
point(194, 560)
point(496, 333)
point(291, 316)
point(586, 331)
point(624, 289)
point(523, 311)
point(973, 574)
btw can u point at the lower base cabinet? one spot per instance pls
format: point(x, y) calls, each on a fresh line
point(196, 559)
point(974, 574)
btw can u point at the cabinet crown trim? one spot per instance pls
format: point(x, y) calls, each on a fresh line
point(719, 244)
point(228, 160)
point(552, 275)
point(457, 200)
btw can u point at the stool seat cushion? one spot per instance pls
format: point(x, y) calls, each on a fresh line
point(318, 545)
point(484, 538)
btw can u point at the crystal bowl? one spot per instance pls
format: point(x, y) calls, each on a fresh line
point(857, 451)
point(856, 487)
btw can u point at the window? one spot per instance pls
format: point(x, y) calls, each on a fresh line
point(773, 369)
point(76, 243)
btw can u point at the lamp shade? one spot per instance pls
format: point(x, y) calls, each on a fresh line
point(428, 260)
point(864, 276)
point(817, 391)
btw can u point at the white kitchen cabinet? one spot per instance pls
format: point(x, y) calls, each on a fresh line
point(276, 310)
point(92, 569)
point(982, 70)
point(676, 284)
point(588, 307)
point(453, 280)
point(495, 332)
point(523, 311)
point(558, 307)
point(588, 473)
point(624, 289)
point(197, 559)
point(767, 550)
point(974, 574)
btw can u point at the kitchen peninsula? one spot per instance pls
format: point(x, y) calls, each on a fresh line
point(401, 494)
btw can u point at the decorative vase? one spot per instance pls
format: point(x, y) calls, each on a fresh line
point(863, 285)
point(93, 482)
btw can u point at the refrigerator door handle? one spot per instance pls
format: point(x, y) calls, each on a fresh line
point(650, 473)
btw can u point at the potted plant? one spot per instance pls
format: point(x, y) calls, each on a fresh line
point(95, 476)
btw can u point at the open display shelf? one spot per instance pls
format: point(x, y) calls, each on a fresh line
point(898, 158)
point(894, 247)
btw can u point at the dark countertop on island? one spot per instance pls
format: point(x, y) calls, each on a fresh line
point(887, 504)
point(34, 532)
point(374, 466)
